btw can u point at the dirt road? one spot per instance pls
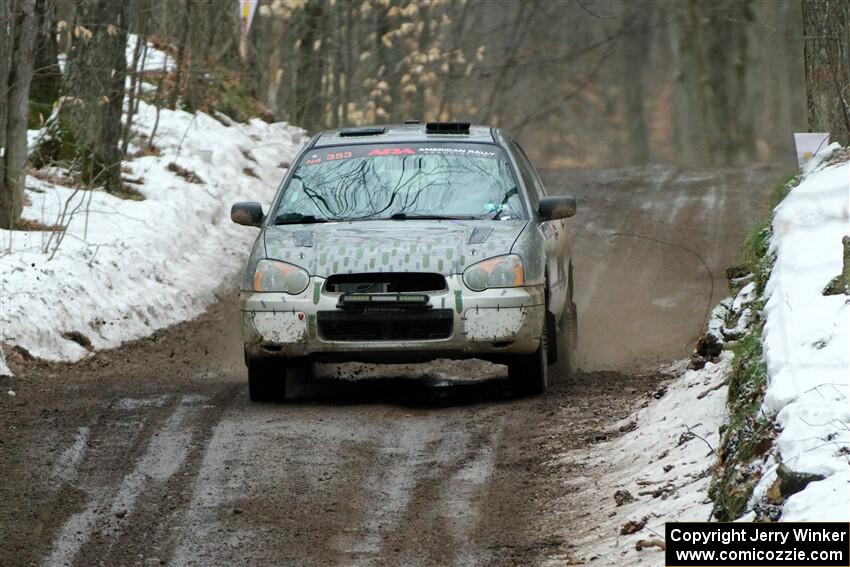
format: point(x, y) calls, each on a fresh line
point(150, 454)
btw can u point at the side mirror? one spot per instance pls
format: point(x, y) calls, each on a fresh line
point(248, 214)
point(553, 208)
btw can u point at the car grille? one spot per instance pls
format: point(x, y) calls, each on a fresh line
point(389, 282)
point(399, 325)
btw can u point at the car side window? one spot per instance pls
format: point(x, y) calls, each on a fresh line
point(538, 183)
point(527, 174)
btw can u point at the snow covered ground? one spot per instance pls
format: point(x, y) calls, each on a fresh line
point(124, 268)
point(807, 343)
point(660, 470)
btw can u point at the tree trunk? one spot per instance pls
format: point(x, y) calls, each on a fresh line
point(636, 40)
point(181, 54)
point(199, 42)
point(826, 28)
point(141, 41)
point(687, 115)
point(491, 108)
point(338, 64)
point(458, 27)
point(47, 78)
point(18, 23)
point(7, 45)
point(712, 120)
point(388, 58)
point(90, 116)
point(308, 104)
point(349, 61)
point(424, 43)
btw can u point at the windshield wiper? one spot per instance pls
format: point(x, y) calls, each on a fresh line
point(408, 216)
point(297, 218)
point(508, 195)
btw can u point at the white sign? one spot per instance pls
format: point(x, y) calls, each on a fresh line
point(808, 144)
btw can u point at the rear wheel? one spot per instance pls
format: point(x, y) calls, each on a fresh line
point(266, 379)
point(528, 373)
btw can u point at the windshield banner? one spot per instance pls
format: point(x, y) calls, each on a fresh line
point(336, 153)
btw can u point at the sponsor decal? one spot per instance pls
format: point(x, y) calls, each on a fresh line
point(340, 153)
point(392, 152)
point(450, 150)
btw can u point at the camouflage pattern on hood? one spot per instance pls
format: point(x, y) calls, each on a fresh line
point(444, 247)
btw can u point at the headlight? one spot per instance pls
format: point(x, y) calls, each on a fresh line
point(271, 275)
point(501, 271)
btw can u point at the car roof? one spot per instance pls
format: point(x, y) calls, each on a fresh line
point(391, 133)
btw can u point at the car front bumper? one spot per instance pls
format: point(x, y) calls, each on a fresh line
point(490, 324)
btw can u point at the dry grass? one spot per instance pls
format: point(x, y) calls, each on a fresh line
point(186, 174)
point(144, 151)
point(30, 225)
point(54, 176)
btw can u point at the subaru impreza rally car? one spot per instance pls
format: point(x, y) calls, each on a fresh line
point(405, 243)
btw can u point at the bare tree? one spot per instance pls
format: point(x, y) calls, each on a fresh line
point(17, 43)
point(182, 43)
point(635, 40)
point(597, 81)
point(710, 49)
point(90, 113)
point(47, 78)
point(826, 27)
point(308, 105)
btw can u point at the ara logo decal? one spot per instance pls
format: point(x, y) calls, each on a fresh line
point(392, 152)
point(313, 160)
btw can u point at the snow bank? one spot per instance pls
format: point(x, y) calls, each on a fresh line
point(150, 59)
point(664, 464)
point(807, 342)
point(659, 471)
point(126, 268)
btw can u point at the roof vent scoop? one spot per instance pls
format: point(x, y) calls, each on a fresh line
point(355, 132)
point(447, 128)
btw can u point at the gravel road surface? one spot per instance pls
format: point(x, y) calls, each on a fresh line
point(150, 454)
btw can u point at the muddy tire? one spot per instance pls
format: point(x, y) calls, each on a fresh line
point(266, 380)
point(554, 346)
point(574, 328)
point(528, 374)
point(563, 368)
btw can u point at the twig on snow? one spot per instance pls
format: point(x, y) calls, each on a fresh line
point(644, 543)
point(701, 438)
point(713, 388)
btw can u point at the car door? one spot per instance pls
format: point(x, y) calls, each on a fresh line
point(554, 232)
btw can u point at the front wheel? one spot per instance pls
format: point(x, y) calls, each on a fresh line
point(266, 379)
point(566, 337)
point(528, 373)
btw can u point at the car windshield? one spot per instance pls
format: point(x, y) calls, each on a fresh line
point(370, 182)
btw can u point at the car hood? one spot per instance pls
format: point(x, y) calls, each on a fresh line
point(445, 247)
